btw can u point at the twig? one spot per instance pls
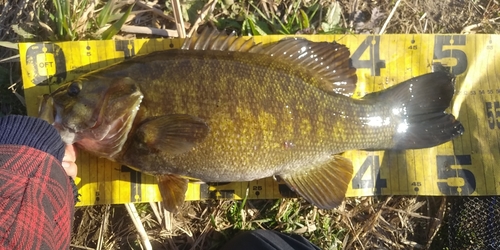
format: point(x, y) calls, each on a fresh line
point(435, 224)
point(13, 88)
point(167, 218)
point(389, 18)
point(178, 18)
point(412, 214)
point(208, 8)
point(9, 45)
point(155, 211)
point(103, 228)
point(155, 11)
point(136, 219)
point(14, 58)
point(149, 31)
point(469, 28)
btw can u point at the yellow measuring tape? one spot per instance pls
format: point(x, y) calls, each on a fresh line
point(466, 166)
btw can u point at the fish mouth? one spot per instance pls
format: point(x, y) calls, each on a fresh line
point(48, 112)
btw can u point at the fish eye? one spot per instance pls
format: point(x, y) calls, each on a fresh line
point(74, 89)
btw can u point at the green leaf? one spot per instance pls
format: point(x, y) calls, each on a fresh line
point(115, 27)
point(284, 29)
point(228, 23)
point(332, 18)
point(305, 20)
point(103, 17)
point(260, 13)
point(256, 30)
point(245, 28)
point(59, 20)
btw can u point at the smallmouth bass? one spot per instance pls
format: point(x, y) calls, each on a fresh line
point(224, 109)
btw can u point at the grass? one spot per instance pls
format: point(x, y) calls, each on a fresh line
point(359, 223)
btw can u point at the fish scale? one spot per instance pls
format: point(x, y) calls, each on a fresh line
point(327, 130)
point(236, 111)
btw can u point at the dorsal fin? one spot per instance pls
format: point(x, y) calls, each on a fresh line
point(329, 61)
point(212, 39)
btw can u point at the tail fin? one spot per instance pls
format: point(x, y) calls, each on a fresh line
point(421, 103)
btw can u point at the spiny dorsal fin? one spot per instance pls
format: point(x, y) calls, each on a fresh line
point(212, 39)
point(329, 61)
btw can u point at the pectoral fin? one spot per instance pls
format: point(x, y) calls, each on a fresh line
point(173, 134)
point(324, 185)
point(173, 191)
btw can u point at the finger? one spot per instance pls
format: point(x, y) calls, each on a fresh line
point(70, 168)
point(69, 153)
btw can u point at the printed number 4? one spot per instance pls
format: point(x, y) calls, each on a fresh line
point(455, 181)
point(374, 63)
point(375, 181)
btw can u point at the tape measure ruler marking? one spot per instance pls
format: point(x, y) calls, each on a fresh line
point(463, 168)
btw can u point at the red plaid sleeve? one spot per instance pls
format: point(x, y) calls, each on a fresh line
point(36, 202)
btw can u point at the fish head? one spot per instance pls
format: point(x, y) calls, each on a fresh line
point(95, 112)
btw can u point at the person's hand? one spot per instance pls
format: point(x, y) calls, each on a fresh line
point(69, 159)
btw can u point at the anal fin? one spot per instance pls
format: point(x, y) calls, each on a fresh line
point(173, 191)
point(324, 185)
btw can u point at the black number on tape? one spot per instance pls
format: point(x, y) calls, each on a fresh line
point(455, 181)
point(127, 46)
point(450, 57)
point(135, 183)
point(375, 181)
point(374, 63)
point(493, 114)
point(257, 190)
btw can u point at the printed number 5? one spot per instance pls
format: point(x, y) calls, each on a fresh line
point(455, 181)
point(493, 113)
point(449, 57)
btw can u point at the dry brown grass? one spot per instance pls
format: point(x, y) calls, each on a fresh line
point(360, 223)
